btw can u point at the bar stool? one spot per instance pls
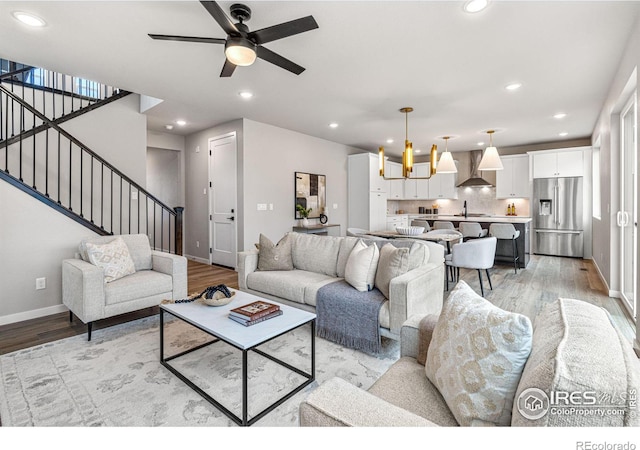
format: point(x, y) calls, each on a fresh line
point(443, 225)
point(421, 223)
point(507, 231)
point(472, 230)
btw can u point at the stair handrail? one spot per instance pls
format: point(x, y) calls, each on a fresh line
point(53, 125)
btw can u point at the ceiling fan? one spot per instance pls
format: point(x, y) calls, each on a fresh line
point(241, 47)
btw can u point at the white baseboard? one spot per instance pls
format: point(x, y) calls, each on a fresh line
point(196, 259)
point(610, 293)
point(33, 314)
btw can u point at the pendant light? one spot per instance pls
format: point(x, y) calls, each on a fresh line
point(407, 154)
point(446, 163)
point(490, 158)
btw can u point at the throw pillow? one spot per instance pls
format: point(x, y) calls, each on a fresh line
point(393, 262)
point(113, 257)
point(275, 257)
point(476, 357)
point(360, 271)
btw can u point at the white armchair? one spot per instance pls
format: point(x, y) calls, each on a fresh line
point(157, 276)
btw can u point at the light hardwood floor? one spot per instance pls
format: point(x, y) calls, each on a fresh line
point(545, 279)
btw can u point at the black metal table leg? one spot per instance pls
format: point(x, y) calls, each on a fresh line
point(245, 390)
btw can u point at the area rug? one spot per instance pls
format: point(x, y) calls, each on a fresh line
point(117, 379)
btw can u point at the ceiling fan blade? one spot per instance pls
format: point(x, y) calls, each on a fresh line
point(166, 37)
point(223, 20)
point(280, 61)
point(283, 30)
point(227, 69)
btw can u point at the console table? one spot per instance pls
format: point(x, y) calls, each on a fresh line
point(327, 229)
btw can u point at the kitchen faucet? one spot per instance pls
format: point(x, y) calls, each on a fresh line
point(464, 209)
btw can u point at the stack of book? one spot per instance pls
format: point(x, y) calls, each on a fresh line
point(255, 312)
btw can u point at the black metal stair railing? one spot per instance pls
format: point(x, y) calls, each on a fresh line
point(48, 163)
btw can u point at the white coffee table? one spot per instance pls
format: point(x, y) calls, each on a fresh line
point(215, 322)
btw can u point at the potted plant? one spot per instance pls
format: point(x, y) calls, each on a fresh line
point(304, 213)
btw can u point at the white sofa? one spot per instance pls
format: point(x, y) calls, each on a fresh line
point(320, 260)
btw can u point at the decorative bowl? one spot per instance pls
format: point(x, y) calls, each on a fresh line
point(218, 299)
point(410, 231)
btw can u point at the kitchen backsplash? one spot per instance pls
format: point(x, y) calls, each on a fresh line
point(479, 200)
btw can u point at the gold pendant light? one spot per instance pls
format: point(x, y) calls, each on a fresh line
point(407, 154)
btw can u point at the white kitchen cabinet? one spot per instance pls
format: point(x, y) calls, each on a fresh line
point(367, 196)
point(558, 163)
point(443, 185)
point(396, 187)
point(377, 211)
point(513, 180)
point(417, 189)
point(397, 221)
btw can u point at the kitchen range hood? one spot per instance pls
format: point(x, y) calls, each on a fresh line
point(474, 180)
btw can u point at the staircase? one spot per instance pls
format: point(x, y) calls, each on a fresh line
point(48, 163)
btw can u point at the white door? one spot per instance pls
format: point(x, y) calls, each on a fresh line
point(627, 218)
point(222, 200)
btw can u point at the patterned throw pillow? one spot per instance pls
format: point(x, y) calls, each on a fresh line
point(113, 257)
point(476, 357)
point(360, 271)
point(275, 257)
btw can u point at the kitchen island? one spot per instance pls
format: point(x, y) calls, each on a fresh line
point(503, 250)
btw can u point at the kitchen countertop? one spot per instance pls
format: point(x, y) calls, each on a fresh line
point(488, 218)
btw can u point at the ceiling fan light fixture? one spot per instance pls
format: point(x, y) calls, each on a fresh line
point(240, 51)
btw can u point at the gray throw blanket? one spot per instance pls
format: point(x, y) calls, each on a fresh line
point(349, 317)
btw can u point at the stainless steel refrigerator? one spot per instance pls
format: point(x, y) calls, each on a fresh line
point(557, 216)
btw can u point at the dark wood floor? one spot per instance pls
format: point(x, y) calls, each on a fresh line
point(544, 280)
point(39, 331)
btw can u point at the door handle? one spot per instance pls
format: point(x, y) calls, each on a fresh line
point(231, 218)
point(626, 218)
point(619, 218)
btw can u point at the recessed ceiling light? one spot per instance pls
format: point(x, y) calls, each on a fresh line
point(245, 94)
point(418, 150)
point(560, 116)
point(169, 127)
point(333, 125)
point(480, 143)
point(29, 19)
point(389, 141)
point(474, 6)
point(181, 122)
point(563, 133)
point(513, 86)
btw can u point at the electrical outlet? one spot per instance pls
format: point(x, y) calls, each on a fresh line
point(204, 191)
point(134, 195)
point(41, 283)
point(198, 244)
point(262, 206)
point(335, 206)
point(270, 206)
point(198, 149)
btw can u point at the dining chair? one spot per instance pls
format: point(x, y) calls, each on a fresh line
point(474, 254)
point(443, 225)
point(472, 230)
point(421, 223)
point(507, 231)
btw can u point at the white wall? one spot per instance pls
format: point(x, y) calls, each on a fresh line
point(605, 247)
point(606, 130)
point(268, 157)
point(34, 238)
point(196, 211)
point(272, 155)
